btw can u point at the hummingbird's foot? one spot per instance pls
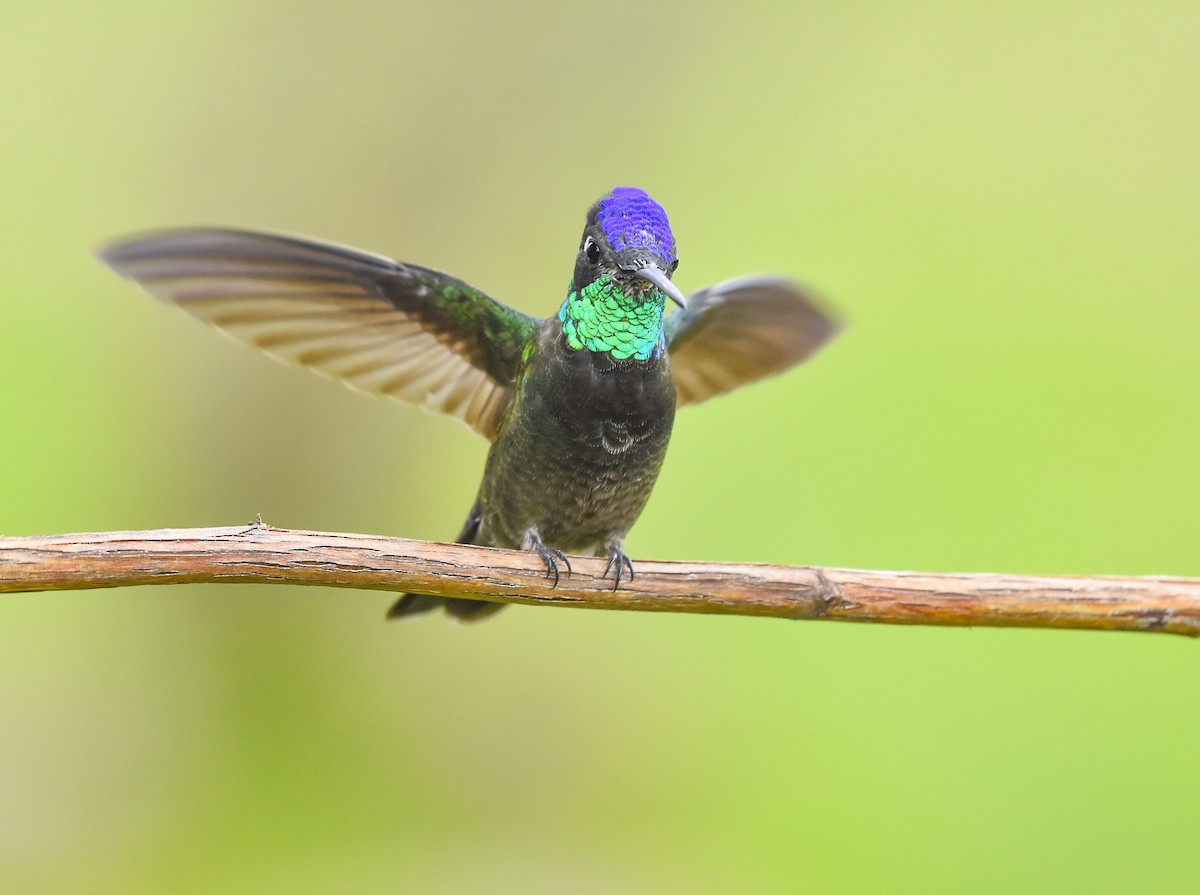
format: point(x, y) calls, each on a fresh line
point(551, 556)
point(618, 560)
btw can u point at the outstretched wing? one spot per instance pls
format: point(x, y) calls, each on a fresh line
point(376, 324)
point(739, 331)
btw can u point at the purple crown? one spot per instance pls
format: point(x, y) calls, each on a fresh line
point(631, 219)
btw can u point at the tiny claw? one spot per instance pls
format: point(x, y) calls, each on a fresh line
point(618, 559)
point(565, 561)
point(551, 556)
point(551, 562)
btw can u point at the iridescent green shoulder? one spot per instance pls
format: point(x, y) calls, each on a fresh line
point(473, 323)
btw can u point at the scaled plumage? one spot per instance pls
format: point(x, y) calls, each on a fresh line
point(579, 406)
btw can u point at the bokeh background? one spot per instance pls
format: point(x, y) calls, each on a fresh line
point(1003, 200)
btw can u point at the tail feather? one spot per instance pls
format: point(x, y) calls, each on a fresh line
point(414, 604)
point(463, 610)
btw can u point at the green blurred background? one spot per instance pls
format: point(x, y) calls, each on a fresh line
point(1003, 200)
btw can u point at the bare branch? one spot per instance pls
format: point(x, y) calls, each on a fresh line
point(258, 553)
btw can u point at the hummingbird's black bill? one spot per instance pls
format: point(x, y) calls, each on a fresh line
point(653, 275)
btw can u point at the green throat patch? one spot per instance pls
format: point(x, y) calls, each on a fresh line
point(600, 317)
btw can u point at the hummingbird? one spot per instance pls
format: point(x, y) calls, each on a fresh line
point(578, 406)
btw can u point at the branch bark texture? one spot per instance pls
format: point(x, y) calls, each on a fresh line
point(261, 554)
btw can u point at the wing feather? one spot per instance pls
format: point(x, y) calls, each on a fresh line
point(742, 330)
point(376, 324)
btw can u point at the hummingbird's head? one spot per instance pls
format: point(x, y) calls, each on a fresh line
point(628, 239)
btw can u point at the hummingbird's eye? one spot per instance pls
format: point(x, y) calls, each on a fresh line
point(592, 251)
point(674, 264)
